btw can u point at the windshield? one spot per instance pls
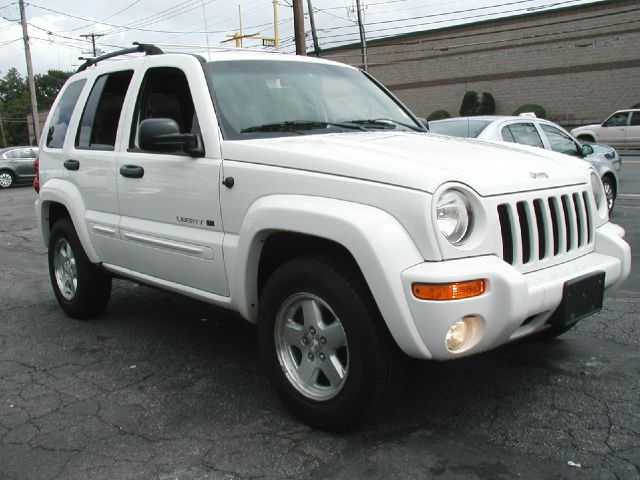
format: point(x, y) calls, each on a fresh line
point(459, 128)
point(266, 98)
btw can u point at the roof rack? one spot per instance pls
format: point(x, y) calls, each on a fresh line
point(146, 48)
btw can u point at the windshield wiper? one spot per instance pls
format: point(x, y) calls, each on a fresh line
point(386, 123)
point(297, 125)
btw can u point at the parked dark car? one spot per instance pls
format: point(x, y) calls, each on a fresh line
point(16, 165)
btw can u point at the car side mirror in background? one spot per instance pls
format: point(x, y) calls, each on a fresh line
point(163, 135)
point(424, 122)
point(586, 150)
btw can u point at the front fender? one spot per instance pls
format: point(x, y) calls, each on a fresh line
point(67, 194)
point(377, 241)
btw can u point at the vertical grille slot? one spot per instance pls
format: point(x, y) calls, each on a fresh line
point(506, 231)
point(587, 210)
point(579, 209)
point(568, 222)
point(525, 233)
point(542, 230)
point(555, 226)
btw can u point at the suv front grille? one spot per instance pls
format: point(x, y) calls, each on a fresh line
point(546, 227)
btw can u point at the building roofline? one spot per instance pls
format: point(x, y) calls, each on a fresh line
point(531, 15)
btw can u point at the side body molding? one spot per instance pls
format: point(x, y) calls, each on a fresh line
point(378, 242)
point(65, 193)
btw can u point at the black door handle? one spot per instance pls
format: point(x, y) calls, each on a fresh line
point(71, 164)
point(132, 171)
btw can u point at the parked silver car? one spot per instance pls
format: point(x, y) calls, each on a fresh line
point(622, 129)
point(541, 133)
point(16, 165)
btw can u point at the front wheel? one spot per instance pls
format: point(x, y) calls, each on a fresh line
point(6, 179)
point(610, 192)
point(324, 344)
point(80, 288)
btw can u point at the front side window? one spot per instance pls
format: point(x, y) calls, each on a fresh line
point(165, 93)
point(62, 114)
point(260, 98)
point(99, 123)
point(524, 133)
point(617, 120)
point(560, 141)
point(635, 119)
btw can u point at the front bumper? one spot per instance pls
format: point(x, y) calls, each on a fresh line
point(514, 304)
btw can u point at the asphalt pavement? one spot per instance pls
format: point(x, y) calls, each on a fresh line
point(163, 387)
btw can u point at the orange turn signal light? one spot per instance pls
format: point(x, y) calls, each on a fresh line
point(449, 291)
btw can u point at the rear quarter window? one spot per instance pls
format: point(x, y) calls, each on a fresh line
point(62, 114)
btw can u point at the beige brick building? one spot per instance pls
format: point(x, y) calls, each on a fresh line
point(580, 63)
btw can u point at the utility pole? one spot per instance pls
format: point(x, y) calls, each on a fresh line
point(276, 40)
point(32, 84)
point(298, 27)
point(93, 37)
point(363, 40)
point(316, 47)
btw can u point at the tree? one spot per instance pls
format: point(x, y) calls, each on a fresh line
point(48, 85)
point(438, 115)
point(469, 105)
point(487, 105)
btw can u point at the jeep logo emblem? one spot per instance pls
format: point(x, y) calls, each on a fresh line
point(538, 175)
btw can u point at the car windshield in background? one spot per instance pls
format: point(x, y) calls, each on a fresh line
point(459, 128)
point(274, 98)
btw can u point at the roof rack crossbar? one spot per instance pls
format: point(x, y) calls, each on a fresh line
point(146, 48)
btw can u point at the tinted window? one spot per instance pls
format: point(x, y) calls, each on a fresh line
point(635, 119)
point(617, 120)
point(524, 133)
point(560, 141)
point(101, 114)
point(165, 94)
point(60, 119)
point(459, 128)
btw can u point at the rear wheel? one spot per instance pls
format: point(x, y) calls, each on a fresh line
point(80, 288)
point(324, 344)
point(6, 179)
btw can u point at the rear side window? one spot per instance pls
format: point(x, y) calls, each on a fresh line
point(60, 120)
point(99, 123)
point(524, 133)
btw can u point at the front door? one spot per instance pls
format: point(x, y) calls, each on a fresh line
point(171, 224)
point(613, 130)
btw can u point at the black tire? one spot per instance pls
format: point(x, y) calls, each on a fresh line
point(610, 192)
point(373, 361)
point(7, 179)
point(89, 294)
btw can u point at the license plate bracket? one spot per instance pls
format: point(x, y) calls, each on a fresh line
point(581, 297)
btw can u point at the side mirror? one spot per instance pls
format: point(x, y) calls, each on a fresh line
point(163, 135)
point(586, 150)
point(424, 122)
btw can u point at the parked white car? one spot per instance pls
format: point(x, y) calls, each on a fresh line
point(540, 133)
point(620, 130)
point(303, 195)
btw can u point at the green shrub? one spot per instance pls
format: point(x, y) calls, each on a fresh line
point(637, 105)
point(438, 115)
point(531, 107)
point(469, 105)
point(487, 105)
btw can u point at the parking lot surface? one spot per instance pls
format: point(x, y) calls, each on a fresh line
point(163, 387)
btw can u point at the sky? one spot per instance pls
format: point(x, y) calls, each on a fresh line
point(56, 26)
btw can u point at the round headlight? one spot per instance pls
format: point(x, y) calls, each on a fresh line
point(598, 192)
point(454, 216)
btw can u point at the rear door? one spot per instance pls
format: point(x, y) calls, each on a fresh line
point(24, 158)
point(169, 201)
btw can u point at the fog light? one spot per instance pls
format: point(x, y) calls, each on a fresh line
point(462, 332)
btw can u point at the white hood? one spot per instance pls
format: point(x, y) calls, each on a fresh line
point(416, 160)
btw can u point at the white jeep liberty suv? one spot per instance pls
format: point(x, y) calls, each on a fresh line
point(303, 195)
